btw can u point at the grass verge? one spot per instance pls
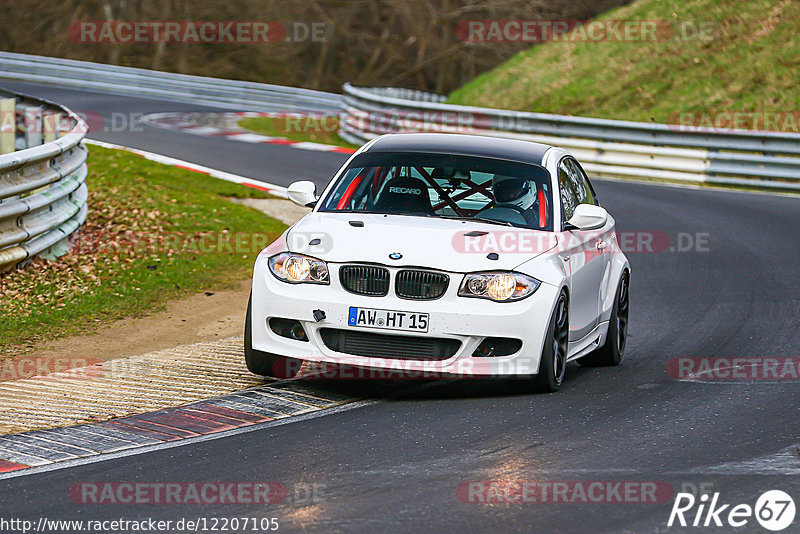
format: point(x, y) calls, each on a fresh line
point(713, 57)
point(323, 129)
point(154, 232)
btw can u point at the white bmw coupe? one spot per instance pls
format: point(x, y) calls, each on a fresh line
point(444, 255)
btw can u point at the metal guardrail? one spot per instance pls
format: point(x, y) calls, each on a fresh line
point(42, 178)
point(605, 147)
point(130, 81)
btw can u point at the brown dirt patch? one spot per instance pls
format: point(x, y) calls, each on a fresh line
point(205, 316)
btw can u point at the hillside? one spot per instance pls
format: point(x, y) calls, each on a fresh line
point(319, 45)
point(745, 60)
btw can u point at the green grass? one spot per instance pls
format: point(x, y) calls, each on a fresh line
point(154, 232)
point(748, 64)
point(317, 130)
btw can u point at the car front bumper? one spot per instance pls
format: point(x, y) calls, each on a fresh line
point(467, 320)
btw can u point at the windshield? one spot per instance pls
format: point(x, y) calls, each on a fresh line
point(446, 186)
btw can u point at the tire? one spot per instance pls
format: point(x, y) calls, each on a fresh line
point(613, 349)
point(554, 353)
point(265, 363)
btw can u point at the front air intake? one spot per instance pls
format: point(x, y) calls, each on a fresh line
point(359, 343)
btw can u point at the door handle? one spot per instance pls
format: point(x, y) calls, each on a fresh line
point(601, 245)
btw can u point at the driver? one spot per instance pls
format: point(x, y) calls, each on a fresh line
point(518, 194)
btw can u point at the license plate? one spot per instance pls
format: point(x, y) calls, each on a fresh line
point(388, 319)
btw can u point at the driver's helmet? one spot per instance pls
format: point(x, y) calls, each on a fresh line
point(517, 191)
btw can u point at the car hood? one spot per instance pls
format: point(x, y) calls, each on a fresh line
point(445, 244)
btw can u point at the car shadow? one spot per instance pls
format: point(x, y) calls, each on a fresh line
point(364, 384)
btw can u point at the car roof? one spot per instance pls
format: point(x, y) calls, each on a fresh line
point(462, 145)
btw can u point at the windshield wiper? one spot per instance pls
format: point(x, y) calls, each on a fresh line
point(481, 219)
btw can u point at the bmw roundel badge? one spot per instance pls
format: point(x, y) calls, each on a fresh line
point(395, 256)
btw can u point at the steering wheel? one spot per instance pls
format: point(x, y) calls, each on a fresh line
point(504, 213)
point(513, 207)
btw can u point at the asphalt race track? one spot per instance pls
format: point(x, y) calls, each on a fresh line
point(395, 463)
point(120, 120)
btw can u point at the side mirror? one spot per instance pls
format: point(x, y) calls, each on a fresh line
point(303, 193)
point(588, 217)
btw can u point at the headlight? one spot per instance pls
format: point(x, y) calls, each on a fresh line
point(296, 268)
point(500, 287)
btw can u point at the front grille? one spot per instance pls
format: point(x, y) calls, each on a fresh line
point(365, 280)
point(421, 285)
point(372, 345)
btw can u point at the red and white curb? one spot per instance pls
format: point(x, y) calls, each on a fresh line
point(178, 121)
point(274, 189)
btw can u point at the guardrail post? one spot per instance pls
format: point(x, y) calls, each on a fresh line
point(33, 126)
point(8, 124)
point(50, 124)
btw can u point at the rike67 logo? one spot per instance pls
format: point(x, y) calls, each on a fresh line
point(774, 510)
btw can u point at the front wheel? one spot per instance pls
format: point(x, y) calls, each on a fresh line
point(265, 363)
point(554, 354)
point(613, 350)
